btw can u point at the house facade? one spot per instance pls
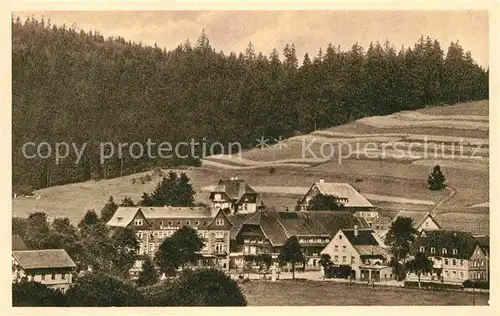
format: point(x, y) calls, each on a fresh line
point(350, 199)
point(153, 224)
point(267, 232)
point(421, 220)
point(456, 257)
point(52, 267)
point(362, 251)
point(234, 194)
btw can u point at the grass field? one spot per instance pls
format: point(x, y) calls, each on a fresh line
point(314, 293)
point(388, 182)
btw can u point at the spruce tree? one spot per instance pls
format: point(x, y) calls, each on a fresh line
point(108, 210)
point(436, 179)
point(148, 275)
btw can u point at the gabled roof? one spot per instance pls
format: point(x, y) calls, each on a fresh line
point(417, 217)
point(333, 221)
point(237, 220)
point(279, 226)
point(464, 242)
point(235, 189)
point(364, 237)
point(123, 216)
point(344, 191)
point(18, 243)
point(43, 259)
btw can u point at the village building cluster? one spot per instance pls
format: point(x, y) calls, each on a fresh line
point(236, 226)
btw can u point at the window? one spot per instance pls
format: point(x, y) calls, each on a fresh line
point(444, 251)
point(454, 262)
point(138, 222)
point(53, 276)
point(219, 247)
point(455, 251)
point(336, 247)
point(63, 276)
point(344, 247)
point(219, 222)
point(188, 223)
point(179, 223)
point(454, 274)
point(340, 236)
point(43, 276)
point(139, 235)
point(344, 259)
point(161, 223)
point(170, 223)
point(461, 275)
point(433, 250)
point(447, 273)
point(219, 234)
point(445, 262)
point(151, 247)
point(196, 223)
point(336, 258)
point(422, 249)
point(461, 262)
point(482, 263)
point(353, 260)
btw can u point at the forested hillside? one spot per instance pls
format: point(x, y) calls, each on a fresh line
point(80, 87)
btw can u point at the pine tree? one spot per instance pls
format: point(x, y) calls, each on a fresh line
point(436, 179)
point(127, 202)
point(145, 200)
point(148, 275)
point(108, 210)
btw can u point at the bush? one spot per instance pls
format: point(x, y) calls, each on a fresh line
point(478, 284)
point(207, 287)
point(97, 289)
point(26, 293)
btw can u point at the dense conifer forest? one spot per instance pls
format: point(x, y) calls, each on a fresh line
point(77, 86)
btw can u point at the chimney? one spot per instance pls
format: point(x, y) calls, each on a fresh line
point(356, 232)
point(321, 180)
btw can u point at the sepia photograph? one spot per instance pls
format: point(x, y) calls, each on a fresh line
point(250, 158)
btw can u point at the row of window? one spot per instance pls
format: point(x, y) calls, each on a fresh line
point(477, 263)
point(336, 247)
point(168, 233)
point(218, 222)
point(314, 240)
point(53, 276)
point(444, 251)
point(450, 274)
point(344, 259)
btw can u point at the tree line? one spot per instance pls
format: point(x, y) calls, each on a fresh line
point(81, 87)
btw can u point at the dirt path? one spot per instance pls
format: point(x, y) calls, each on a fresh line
point(435, 209)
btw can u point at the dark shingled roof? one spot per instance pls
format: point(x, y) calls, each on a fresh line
point(279, 226)
point(464, 242)
point(18, 243)
point(43, 259)
point(234, 189)
point(484, 242)
point(364, 237)
point(237, 220)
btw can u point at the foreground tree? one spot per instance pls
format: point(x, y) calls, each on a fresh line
point(125, 246)
point(148, 275)
point(436, 179)
point(207, 287)
point(325, 261)
point(179, 249)
point(102, 290)
point(325, 202)
point(419, 264)
point(399, 238)
point(27, 293)
point(291, 252)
